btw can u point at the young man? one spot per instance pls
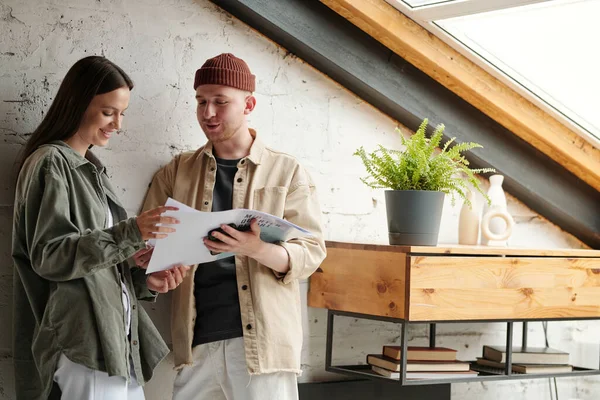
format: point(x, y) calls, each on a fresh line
point(236, 323)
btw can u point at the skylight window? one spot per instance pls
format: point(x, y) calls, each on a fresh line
point(547, 50)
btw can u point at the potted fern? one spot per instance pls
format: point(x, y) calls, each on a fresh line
point(418, 178)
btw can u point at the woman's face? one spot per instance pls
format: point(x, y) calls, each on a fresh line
point(101, 120)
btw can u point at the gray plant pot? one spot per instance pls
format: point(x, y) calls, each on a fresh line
point(414, 216)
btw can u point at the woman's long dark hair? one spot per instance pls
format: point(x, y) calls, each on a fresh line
point(87, 78)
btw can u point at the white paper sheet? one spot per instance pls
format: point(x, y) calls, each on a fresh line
point(186, 246)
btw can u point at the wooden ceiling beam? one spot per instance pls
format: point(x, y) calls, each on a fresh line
point(472, 83)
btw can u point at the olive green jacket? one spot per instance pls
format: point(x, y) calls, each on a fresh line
point(68, 267)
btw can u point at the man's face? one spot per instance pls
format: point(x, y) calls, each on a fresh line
point(222, 111)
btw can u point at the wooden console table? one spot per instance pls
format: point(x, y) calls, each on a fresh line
point(421, 284)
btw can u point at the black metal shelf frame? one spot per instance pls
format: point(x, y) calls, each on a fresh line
point(364, 371)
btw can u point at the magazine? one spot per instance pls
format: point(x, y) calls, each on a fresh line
point(185, 246)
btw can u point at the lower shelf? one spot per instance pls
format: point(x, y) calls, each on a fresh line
point(364, 371)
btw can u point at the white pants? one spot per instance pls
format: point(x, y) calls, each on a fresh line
point(78, 382)
point(219, 372)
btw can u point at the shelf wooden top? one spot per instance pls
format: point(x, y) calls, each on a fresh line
point(455, 249)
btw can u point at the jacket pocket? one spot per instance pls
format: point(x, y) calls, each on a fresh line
point(270, 200)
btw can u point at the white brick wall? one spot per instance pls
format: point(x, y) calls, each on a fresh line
point(300, 111)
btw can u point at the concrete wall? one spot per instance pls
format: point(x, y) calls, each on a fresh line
point(300, 111)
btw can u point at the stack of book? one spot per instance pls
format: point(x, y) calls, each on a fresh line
point(421, 363)
point(528, 360)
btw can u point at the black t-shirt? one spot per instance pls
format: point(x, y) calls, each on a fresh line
point(215, 284)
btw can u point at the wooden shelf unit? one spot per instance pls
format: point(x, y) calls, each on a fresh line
point(421, 284)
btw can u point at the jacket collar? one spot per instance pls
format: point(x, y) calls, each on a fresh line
point(74, 159)
point(256, 150)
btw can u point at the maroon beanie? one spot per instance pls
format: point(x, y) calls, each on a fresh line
point(227, 70)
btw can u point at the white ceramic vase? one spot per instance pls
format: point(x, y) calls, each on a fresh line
point(468, 222)
point(496, 222)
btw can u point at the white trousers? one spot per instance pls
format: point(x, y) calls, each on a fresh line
point(78, 382)
point(219, 372)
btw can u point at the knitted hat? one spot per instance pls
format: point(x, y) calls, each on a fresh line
point(225, 69)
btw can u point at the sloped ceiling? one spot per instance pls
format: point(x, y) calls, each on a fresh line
point(323, 38)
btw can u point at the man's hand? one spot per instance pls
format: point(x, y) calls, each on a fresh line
point(163, 281)
point(249, 244)
point(142, 257)
point(244, 243)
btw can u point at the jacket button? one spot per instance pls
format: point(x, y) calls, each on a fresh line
point(239, 180)
point(206, 203)
point(243, 161)
point(212, 168)
point(249, 326)
point(244, 287)
point(133, 307)
point(135, 342)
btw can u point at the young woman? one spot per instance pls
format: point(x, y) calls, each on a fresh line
point(78, 328)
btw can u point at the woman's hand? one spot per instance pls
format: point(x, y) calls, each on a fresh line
point(148, 221)
point(163, 281)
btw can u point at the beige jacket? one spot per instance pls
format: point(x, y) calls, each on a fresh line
point(267, 181)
